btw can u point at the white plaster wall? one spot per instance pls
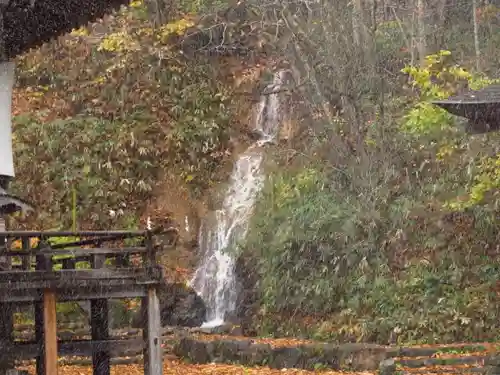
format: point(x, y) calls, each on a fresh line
point(6, 84)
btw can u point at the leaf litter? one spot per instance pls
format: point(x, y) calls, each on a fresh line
point(176, 367)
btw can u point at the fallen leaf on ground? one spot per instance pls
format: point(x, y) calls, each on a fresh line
point(175, 367)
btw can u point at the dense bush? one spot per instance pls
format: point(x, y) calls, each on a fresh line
point(110, 118)
point(398, 244)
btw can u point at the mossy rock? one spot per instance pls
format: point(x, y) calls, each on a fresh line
point(325, 354)
point(286, 358)
point(199, 352)
point(228, 351)
point(387, 367)
point(256, 355)
point(307, 357)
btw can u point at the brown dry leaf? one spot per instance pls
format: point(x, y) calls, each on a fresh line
point(174, 367)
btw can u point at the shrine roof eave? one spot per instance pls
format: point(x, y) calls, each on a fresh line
point(28, 24)
point(483, 116)
point(10, 204)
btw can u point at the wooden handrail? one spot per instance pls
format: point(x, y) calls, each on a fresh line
point(79, 252)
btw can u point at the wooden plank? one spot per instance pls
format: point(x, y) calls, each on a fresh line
point(84, 348)
point(78, 284)
point(50, 332)
point(68, 263)
point(39, 337)
point(80, 252)
point(101, 364)
point(122, 260)
point(115, 347)
point(26, 259)
point(6, 318)
point(100, 331)
point(65, 295)
point(5, 262)
point(151, 253)
point(153, 361)
point(42, 263)
point(6, 334)
point(79, 333)
point(48, 234)
point(75, 275)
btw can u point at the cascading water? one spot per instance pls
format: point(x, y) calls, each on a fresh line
point(214, 280)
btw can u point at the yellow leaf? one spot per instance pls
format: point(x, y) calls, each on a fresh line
point(136, 4)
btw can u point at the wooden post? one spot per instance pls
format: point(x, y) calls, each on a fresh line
point(39, 337)
point(150, 306)
point(26, 260)
point(6, 318)
point(101, 363)
point(43, 263)
point(153, 364)
point(50, 331)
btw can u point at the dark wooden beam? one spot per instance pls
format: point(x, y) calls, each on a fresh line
point(74, 276)
point(76, 285)
point(6, 318)
point(80, 348)
point(49, 234)
point(82, 294)
point(81, 252)
point(6, 333)
point(26, 259)
point(99, 326)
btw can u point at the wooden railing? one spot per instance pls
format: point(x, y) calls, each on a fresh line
point(44, 272)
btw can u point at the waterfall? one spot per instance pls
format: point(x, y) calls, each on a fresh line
point(214, 280)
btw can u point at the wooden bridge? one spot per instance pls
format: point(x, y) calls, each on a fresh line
point(47, 269)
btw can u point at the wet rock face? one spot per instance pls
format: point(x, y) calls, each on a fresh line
point(180, 305)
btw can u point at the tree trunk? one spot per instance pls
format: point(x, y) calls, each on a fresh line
point(157, 10)
point(421, 32)
point(476, 35)
point(358, 23)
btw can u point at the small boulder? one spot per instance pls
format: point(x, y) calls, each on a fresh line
point(256, 355)
point(229, 350)
point(387, 367)
point(199, 352)
point(285, 358)
point(180, 306)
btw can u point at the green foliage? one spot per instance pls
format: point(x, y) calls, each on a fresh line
point(446, 301)
point(437, 79)
point(365, 249)
point(425, 119)
point(390, 41)
point(111, 165)
point(129, 110)
point(308, 225)
point(198, 140)
point(484, 188)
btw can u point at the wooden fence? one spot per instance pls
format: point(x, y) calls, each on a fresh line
point(44, 271)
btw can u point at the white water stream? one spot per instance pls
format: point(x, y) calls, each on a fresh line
point(214, 280)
